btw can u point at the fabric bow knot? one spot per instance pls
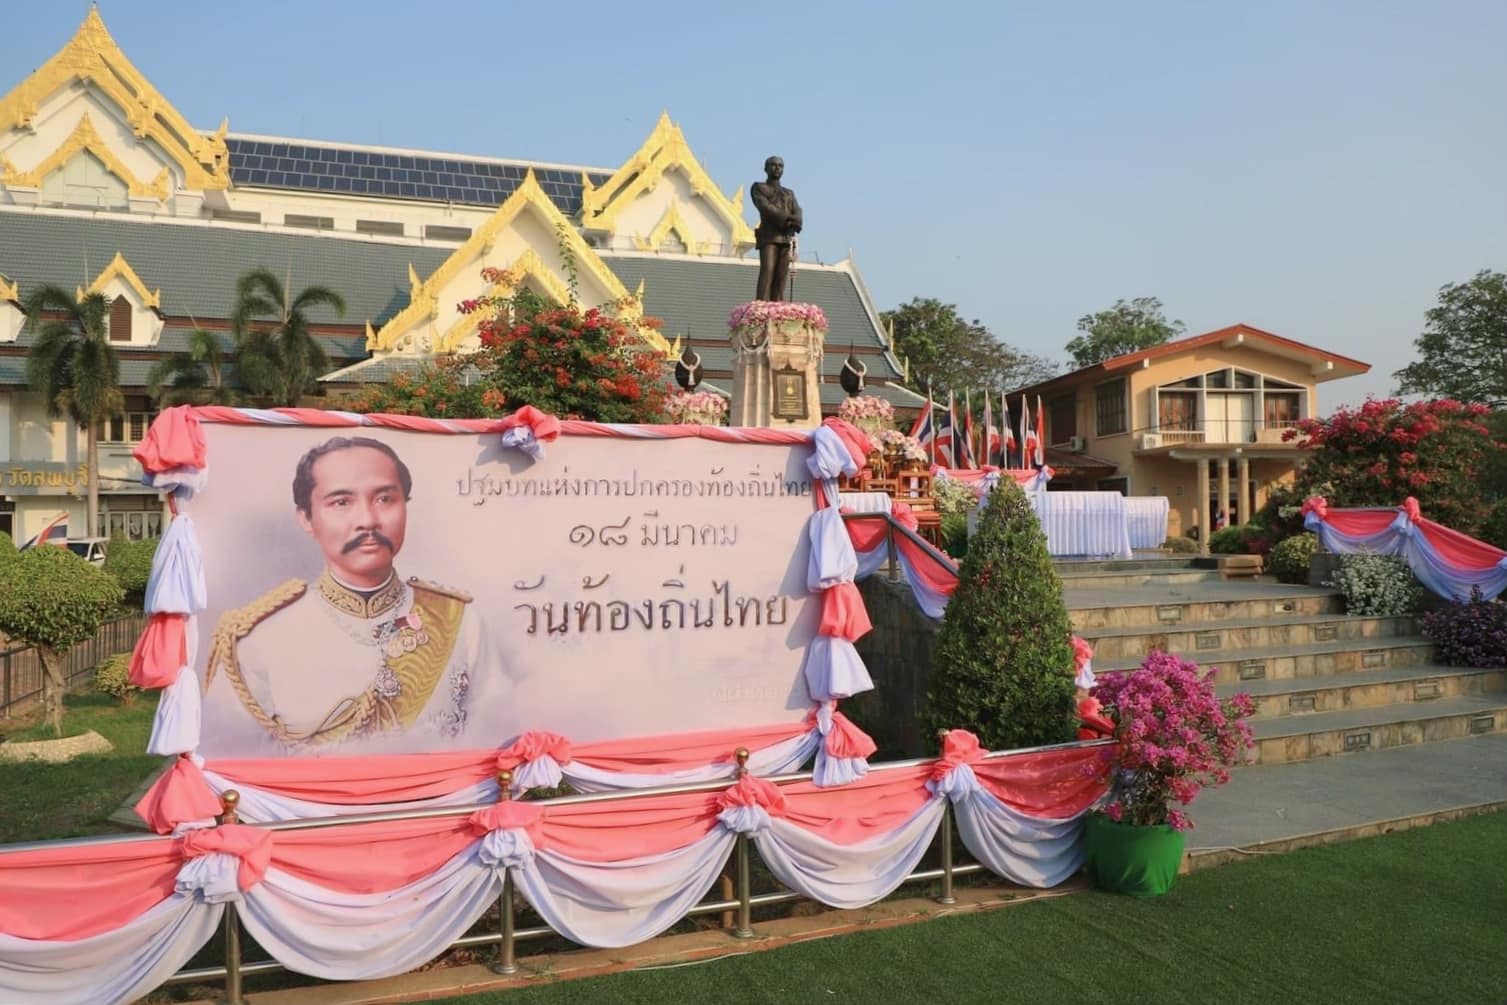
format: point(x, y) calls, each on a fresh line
point(251, 845)
point(1411, 509)
point(1317, 505)
point(532, 746)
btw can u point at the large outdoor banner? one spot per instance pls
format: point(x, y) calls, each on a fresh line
point(375, 590)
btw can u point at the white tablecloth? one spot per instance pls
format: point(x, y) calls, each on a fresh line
point(1147, 517)
point(1084, 523)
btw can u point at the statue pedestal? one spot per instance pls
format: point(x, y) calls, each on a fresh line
point(777, 355)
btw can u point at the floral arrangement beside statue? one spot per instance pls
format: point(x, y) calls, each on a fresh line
point(900, 452)
point(871, 414)
point(703, 408)
point(1175, 737)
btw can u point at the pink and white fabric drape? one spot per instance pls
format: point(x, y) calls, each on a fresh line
point(931, 584)
point(106, 923)
point(1448, 563)
point(981, 480)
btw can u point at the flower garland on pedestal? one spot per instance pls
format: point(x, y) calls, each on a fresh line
point(702, 408)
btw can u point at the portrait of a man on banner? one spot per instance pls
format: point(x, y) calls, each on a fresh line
point(361, 653)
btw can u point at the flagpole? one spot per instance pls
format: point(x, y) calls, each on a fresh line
point(931, 419)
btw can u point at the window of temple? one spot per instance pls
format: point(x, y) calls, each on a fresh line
point(85, 181)
point(120, 320)
point(435, 232)
point(1109, 408)
point(383, 228)
point(310, 222)
point(130, 426)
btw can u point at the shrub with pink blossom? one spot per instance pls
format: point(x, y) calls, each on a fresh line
point(1175, 735)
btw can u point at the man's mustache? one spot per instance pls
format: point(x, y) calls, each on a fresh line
point(363, 538)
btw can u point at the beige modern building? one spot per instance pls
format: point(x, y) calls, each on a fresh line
point(1198, 419)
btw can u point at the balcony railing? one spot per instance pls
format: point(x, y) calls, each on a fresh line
point(1215, 432)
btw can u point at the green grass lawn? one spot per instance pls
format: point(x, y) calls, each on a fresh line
point(40, 801)
point(1414, 917)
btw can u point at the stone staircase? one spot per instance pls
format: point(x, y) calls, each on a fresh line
point(1325, 683)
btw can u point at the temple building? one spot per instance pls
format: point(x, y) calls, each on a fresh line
point(105, 187)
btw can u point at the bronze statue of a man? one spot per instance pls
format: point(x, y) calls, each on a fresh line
point(779, 222)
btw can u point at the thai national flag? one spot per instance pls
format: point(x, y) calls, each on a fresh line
point(1004, 420)
point(54, 533)
point(943, 449)
point(991, 435)
point(968, 459)
point(1041, 432)
point(1028, 436)
point(925, 430)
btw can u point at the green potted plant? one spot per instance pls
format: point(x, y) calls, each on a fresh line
point(1175, 737)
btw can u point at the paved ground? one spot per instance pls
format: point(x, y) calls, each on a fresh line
point(1282, 802)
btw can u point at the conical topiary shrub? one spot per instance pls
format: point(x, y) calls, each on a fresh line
point(1003, 662)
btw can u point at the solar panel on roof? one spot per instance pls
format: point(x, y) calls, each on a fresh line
point(327, 169)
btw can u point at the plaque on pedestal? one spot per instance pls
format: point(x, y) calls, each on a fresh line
point(777, 354)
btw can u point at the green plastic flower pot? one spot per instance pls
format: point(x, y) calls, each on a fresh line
point(1130, 859)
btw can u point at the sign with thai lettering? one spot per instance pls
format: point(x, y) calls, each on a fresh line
point(37, 478)
point(393, 591)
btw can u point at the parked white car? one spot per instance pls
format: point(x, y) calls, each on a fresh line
point(90, 549)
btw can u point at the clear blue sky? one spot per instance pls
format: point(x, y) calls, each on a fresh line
point(1316, 169)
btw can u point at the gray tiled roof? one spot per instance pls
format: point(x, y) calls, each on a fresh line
point(342, 349)
point(196, 266)
point(696, 295)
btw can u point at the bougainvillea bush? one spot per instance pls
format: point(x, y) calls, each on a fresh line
point(1471, 634)
point(1384, 451)
point(569, 361)
point(1175, 737)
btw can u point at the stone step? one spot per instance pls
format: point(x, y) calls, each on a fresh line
point(1354, 730)
point(1286, 662)
point(1151, 577)
point(1419, 685)
point(1168, 606)
point(1141, 562)
point(1193, 640)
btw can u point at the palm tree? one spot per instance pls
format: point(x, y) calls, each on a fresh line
point(193, 377)
point(74, 367)
point(280, 360)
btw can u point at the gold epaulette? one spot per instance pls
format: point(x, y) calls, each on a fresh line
point(236, 624)
point(425, 586)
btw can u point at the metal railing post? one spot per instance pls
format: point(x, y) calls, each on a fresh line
point(507, 947)
point(894, 551)
point(745, 883)
point(945, 832)
point(229, 800)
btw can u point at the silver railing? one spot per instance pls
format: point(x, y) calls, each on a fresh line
point(741, 903)
point(895, 527)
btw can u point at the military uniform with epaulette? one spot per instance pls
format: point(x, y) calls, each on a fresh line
point(317, 666)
